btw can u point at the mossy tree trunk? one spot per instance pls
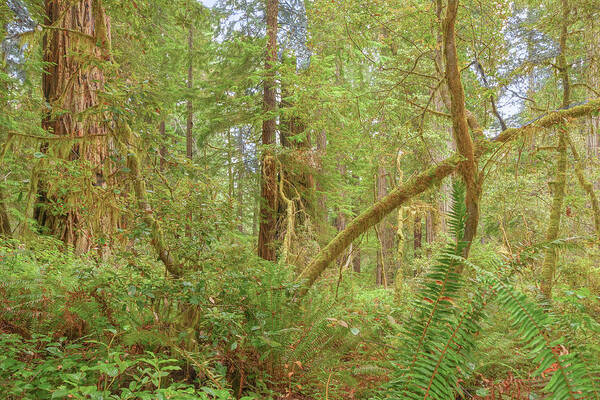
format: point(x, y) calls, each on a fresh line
point(127, 140)
point(558, 186)
point(268, 205)
point(550, 255)
point(71, 82)
point(460, 125)
point(417, 233)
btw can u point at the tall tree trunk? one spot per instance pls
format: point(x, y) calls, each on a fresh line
point(321, 202)
point(549, 265)
point(268, 206)
point(189, 138)
point(550, 256)
point(340, 221)
point(295, 163)
point(461, 121)
point(230, 177)
point(430, 226)
point(70, 86)
point(356, 260)
point(241, 174)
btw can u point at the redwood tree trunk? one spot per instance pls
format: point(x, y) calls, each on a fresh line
point(356, 260)
point(268, 206)
point(5, 229)
point(70, 86)
point(430, 226)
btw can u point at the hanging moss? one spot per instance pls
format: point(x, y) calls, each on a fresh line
point(127, 139)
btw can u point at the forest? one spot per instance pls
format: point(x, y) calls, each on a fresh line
point(300, 199)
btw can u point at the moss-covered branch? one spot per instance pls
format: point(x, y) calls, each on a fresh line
point(372, 216)
point(551, 119)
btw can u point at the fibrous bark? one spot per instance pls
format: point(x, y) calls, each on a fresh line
point(70, 84)
point(417, 232)
point(268, 205)
point(5, 229)
point(385, 234)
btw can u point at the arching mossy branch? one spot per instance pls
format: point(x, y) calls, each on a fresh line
point(372, 216)
point(421, 183)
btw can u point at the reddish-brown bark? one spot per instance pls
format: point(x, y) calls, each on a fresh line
point(268, 206)
point(71, 83)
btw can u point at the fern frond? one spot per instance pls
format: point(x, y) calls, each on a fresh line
point(570, 379)
point(439, 335)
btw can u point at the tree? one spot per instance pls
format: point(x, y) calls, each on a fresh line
point(558, 186)
point(268, 205)
point(76, 46)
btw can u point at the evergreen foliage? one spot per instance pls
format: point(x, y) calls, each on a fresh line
point(439, 337)
point(143, 143)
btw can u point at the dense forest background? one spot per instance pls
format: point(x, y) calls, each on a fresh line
point(300, 199)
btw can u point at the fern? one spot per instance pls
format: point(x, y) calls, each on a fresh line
point(440, 335)
point(571, 379)
point(370, 369)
